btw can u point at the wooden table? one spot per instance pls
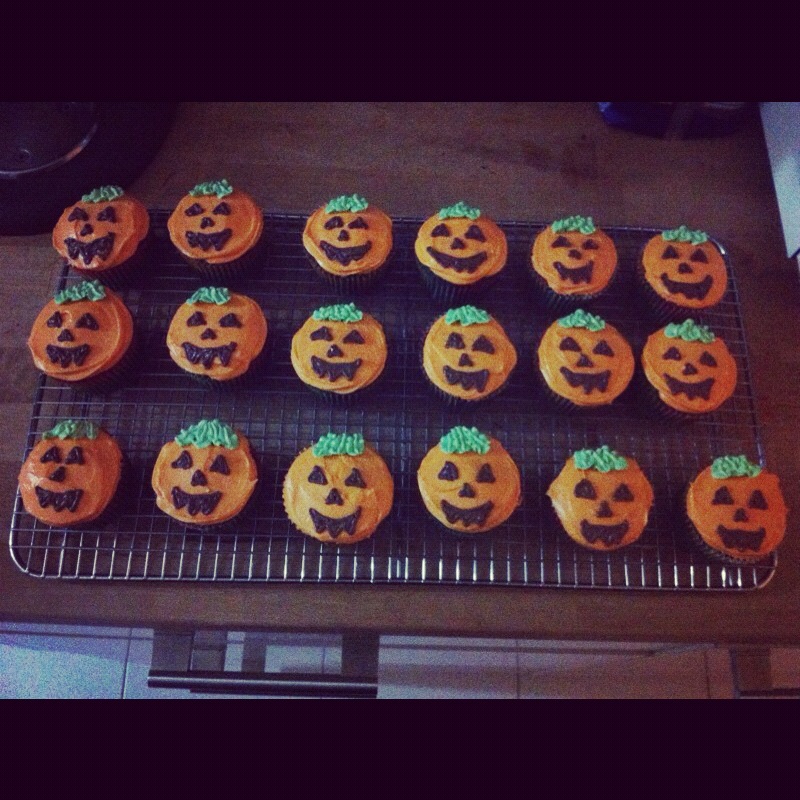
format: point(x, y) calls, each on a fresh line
point(526, 161)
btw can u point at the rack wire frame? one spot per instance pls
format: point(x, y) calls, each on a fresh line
point(402, 419)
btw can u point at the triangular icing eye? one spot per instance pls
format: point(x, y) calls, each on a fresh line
point(485, 474)
point(355, 479)
point(449, 472)
point(707, 359)
point(359, 222)
point(354, 337)
point(230, 321)
point(585, 490)
point(568, 343)
point(603, 348)
point(441, 230)
point(87, 321)
point(670, 252)
point(317, 476)
point(590, 244)
point(455, 340)
point(75, 456)
point(55, 321)
point(77, 213)
point(561, 241)
point(757, 500)
point(53, 454)
point(194, 210)
point(107, 215)
point(699, 257)
point(183, 461)
point(333, 222)
point(323, 333)
point(222, 208)
point(483, 345)
point(673, 354)
point(197, 318)
point(474, 232)
point(220, 464)
point(722, 497)
point(623, 494)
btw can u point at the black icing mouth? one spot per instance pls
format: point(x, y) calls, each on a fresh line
point(334, 371)
point(468, 380)
point(467, 516)
point(100, 248)
point(465, 264)
point(206, 355)
point(691, 390)
point(691, 290)
point(344, 255)
point(575, 275)
point(741, 539)
point(607, 534)
point(588, 381)
point(68, 499)
point(195, 503)
point(66, 356)
point(335, 525)
point(206, 241)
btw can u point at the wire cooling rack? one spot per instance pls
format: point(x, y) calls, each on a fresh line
point(402, 419)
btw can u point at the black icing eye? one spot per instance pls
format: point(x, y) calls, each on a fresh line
point(359, 222)
point(87, 321)
point(673, 354)
point(722, 497)
point(623, 494)
point(449, 472)
point(483, 345)
point(317, 476)
point(323, 333)
point(699, 257)
point(198, 318)
point(570, 344)
point(55, 321)
point(355, 478)
point(194, 210)
point(603, 348)
point(707, 359)
point(757, 500)
point(474, 232)
point(561, 241)
point(220, 464)
point(334, 222)
point(485, 475)
point(585, 489)
point(222, 208)
point(77, 213)
point(107, 215)
point(354, 337)
point(590, 244)
point(53, 454)
point(183, 461)
point(440, 230)
point(230, 321)
point(455, 340)
point(670, 252)
point(75, 456)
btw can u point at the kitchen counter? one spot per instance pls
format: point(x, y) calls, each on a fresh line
point(523, 161)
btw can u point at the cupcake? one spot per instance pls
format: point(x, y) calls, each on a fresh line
point(205, 475)
point(457, 251)
point(103, 236)
point(348, 241)
point(72, 474)
point(467, 356)
point(681, 271)
point(468, 482)
point(602, 499)
point(573, 262)
point(689, 370)
point(217, 335)
point(338, 490)
point(84, 337)
point(339, 350)
point(584, 361)
point(216, 228)
point(736, 510)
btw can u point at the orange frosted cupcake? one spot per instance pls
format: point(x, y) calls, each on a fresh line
point(71, 475)
point(102, 236)
point(216, 228)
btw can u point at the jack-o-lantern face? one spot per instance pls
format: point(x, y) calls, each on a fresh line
point(468, 353)
point(339, 348)
point(347, 235)
point(469, 482)
point(217, 332)
point(686, 268)
point(691, 368)
point(574, 257)
point(336, 496)
point(102, 230)
point(739, 513)
point(84, 330)
point(602, 499)
point(215, 222)
point(585, 359)
point(461, 245)
point(71, 474)
point(205, 475)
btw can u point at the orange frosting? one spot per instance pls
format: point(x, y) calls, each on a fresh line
point(91, 473)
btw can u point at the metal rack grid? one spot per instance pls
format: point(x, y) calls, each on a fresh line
point(402, 419)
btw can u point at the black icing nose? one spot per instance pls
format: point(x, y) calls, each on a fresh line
point(334, 498)
point(466, 491)
point(575, 254)
point(457, 244)
point(86, 230)
point(740, 515)
point(684, 268)
point(584, 361)
point(208, 333)
point(198, 479)
point(605, 510)
point(65, 336)
point(206, 222)
point(689, 369)
point(334, 351)
point(343, 236)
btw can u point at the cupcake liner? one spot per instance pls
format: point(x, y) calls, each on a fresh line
point(130, 272)
point(229, 271)
point(122, 373)
point(450, 294)
point(564, 303)
point(345, 284)
point(652, 399)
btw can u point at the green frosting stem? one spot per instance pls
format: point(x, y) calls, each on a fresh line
point(603, 459)
point(346, 202)
point(689, 331)
point(341, 312)
point(72, 429)
point(577, 223)
point(86, 290)
point(734, 467)
point(339, 444)
point(210, 294)
point(218, 188)
point(459, 209)
point(464, 440)
point(466, 315)
point(208, 432)
point(103, 193)
point(684, 234)
point(582, 319)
